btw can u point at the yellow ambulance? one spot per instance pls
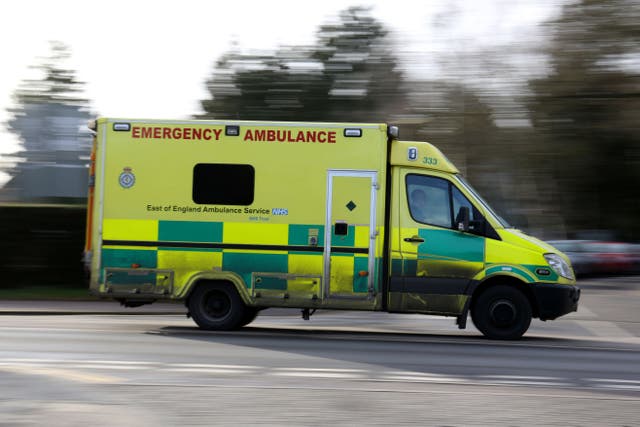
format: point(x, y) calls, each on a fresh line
point(232, 217)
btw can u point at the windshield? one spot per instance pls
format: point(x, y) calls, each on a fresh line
point(486, 206)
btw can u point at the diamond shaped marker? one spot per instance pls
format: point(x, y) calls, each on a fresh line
point(351, 206)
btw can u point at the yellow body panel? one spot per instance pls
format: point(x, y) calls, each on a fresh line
point(271, 246)
point(257, 234)
point(130, 229)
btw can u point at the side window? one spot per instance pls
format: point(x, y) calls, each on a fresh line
point(475, 218)
point(429, 200)
point(223, 184)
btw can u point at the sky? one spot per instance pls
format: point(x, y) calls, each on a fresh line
point(150, 59)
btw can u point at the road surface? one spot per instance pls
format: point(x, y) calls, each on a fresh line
point(88, 364)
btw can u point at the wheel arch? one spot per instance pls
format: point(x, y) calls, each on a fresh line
point(507, 280)
point(217, 277)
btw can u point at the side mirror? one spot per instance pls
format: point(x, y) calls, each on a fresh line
point(462, 219)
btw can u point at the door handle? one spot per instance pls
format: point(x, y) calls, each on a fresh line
point(414, 239)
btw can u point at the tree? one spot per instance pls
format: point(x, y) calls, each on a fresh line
point(50, 119)
point(348, 76)
point(585, 111)
point(361, 74)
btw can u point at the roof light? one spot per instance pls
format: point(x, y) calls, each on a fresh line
point(393, 131)
point(122, 127)
point(92, 125)
point(232, 130)
point(353, 133)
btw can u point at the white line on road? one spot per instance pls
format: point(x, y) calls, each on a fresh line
point(321, 369)
point(424, 379)
point(64, 374)
point(605, 329)
point(210, 370)
point(110, 367)
point(516, 377)
point(315, 374)
point(214, 366)
point(619, 387)
point(528, 383)
point(614, 381)
point(320, 373)
point(72, 370)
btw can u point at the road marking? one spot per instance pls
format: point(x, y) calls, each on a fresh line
point(110, 367)
point(614, 381)
point(210, 370)
point(583, 311)
point(322, 369)
point(64, 374)
point(315, 375)
point(616, 384)
point(605, 329)
point(420, 377)
point(214, 366)
point(72, 370)
point(528, 383)
point(619, 387)
point(114, 362)
point(538, 381)
point(518, 377)
point(319, 373)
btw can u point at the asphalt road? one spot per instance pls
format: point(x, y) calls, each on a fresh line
point(88, 364)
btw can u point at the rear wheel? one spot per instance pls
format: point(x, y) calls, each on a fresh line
point(502, 313)
point(217, 306)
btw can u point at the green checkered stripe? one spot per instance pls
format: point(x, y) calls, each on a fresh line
point(245, 262)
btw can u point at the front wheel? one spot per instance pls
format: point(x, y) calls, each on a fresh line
point(502, 313)
point(217, 306)
point(250, 315)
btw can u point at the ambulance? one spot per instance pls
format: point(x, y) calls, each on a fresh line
point(233, 217)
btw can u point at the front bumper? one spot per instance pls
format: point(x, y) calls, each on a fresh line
point(555, 300)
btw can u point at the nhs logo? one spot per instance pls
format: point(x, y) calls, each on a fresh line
point(279, 211)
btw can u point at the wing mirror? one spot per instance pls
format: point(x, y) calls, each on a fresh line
point(462, 219)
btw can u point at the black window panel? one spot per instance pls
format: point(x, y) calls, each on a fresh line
point(223, 184)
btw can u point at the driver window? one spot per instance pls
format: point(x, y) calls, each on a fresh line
point(429, 200)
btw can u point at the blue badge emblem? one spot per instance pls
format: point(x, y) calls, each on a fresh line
point(127, 178)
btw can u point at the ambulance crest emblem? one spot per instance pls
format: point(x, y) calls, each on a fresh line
point(127, 178)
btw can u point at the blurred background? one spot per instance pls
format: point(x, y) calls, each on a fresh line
point(537, 103)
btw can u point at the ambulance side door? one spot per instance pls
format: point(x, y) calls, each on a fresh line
point(434, 261)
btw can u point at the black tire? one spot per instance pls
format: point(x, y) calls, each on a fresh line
point(250, 315)
point(502, 313)
point(216, 307)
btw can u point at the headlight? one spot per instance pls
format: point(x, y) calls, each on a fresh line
point(559, 265)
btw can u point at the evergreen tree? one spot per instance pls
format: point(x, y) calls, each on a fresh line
point(348, 76)
point(586, 112)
